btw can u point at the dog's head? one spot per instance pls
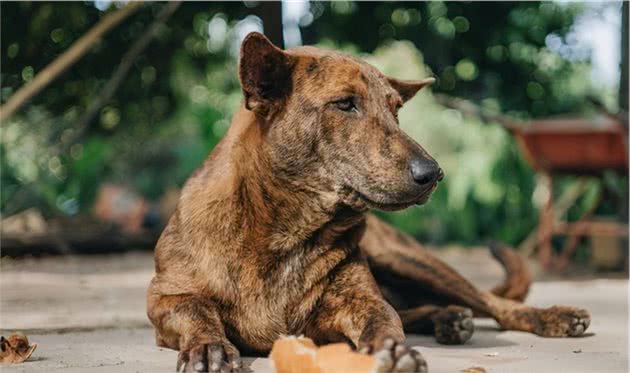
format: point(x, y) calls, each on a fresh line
point(334, 118)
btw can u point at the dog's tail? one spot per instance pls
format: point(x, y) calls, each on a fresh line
point(517, 280)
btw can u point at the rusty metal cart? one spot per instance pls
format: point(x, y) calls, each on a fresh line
point(575, 146)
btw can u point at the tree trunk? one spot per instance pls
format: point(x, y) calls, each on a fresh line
point(271, 14)
point(623, 81)
point(623, 106)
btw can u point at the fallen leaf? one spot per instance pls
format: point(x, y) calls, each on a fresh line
point(474, 370)
point(15, 349)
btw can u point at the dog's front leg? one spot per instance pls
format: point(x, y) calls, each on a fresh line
point(353, 309)
point(191, 324)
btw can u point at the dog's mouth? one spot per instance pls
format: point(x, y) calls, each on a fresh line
point(394, 206)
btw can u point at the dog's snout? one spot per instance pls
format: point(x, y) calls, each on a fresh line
point(424, 171)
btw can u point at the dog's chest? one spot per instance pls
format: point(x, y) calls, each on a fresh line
point(285, 294)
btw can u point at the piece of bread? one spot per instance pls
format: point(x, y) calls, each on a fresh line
point(301, 355)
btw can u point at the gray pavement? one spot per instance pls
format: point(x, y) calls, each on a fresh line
point(87, 315)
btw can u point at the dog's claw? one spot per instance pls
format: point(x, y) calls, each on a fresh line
point(464, 335)
point(579, 330)
point(215, 357)
point(397, 358)
point(385, 363)
point(467, 323)
point(399, 351)
point(579, 326)
point(560, 321)
point(388, 344)
point(236, 364)
point(422, 364)
point(198, 359)
point(405, 363)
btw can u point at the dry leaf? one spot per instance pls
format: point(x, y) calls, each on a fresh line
point(474, 370)
point(15, 349)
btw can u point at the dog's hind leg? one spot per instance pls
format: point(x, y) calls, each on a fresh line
point(410, 277)
point(450, 325)
point(555, 321)
point(191, 324)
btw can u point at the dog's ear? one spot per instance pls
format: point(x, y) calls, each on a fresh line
point(408, 88)
point(265, 73)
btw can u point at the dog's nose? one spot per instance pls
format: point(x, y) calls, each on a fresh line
point(425, 171)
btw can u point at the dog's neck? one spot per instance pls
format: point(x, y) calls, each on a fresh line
point(284, 202)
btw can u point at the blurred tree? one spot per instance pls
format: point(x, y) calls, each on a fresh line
point(144, 100)
point(623, 86)
point(177, 100)
point(506, 53)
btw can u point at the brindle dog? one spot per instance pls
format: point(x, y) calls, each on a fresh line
point(272, 236)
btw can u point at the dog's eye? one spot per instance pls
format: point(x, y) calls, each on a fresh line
point(346, 104)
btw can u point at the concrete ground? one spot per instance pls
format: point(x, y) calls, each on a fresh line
point(87, 315)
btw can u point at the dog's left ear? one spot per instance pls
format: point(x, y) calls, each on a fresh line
point(265, 73)
point(408, 88)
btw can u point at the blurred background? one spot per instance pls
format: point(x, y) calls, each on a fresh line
point(108, 107)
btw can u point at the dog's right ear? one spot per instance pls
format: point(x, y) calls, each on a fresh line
point(408, 88)
point(265, 73)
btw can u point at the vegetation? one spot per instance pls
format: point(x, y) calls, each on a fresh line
point(177, 101)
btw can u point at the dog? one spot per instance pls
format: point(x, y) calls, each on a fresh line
point(272, 235)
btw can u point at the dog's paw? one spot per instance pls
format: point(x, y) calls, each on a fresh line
point(396, 357)
point(558, 321)
point(453, 325)
point(211, 357)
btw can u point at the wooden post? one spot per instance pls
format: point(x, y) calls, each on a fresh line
point(574, 239)
point(545, 225)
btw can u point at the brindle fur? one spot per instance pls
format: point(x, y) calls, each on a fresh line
point(272, 236)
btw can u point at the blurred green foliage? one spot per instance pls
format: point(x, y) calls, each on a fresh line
point(519, 57)
point(487, 181)
point(177, 102)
